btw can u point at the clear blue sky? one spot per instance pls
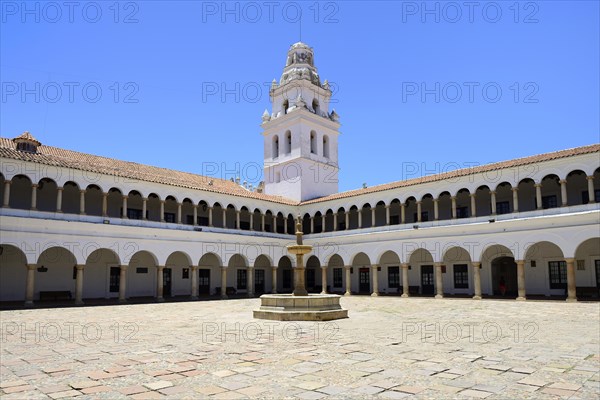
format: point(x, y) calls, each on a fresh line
point(379, 55)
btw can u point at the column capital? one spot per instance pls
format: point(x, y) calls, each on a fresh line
point(162, 201)
point(436, 200)
point(125, 197)
point(250, 267)
point(563, 181)
point(80, 266)
point(160, 267)
point(347, 266)
point(492, 192)
point(375, 266)
point(515, 189)
point(223, 267)
point(387, 206)
point(31, 267)
point(476, 264)
point(105, 194)
point(82, 191)
point(589, 177)
point(437, 264)
point(144, 199)
point(522, 262)
point(404, 265)
point(471, 194)
point(419, 202)
point(274, 266)
point(323, 266)
point(7, 182)
point(537, 185)
point(569, 260)
point(193, 267)
point(123, 267)
point(60, 188)
point(34, 185)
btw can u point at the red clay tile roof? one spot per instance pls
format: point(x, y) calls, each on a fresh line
point(55, 156)
point(594, 148)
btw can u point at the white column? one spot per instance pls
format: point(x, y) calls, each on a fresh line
point(59, 193)
point(387, 215)
point(373, 216)
point(375, 280)
point(476, 280)
point(195, 216)
point(34, 196)
point(162, 211)
point(79, 285)
point(252, 221)
point(223, 282)
point(285, 225)
point(521, 279)
point(359, 212)
point(538, 195)
point(404, 279)
point(493, 202)
point(159, 283)
point(210, 216)
point(323, 223)
point(274, 223)
point(419, 211)
point(179, 213)
point(250, 281)
point(124, 213)
point(571, 285)
point(82, 202)
point(6, 200)
point(274, 277)
point(473, 205)
point(30, 285)
point(348, 281)
point(194, 270)
point(402, 213)
point(563, 192)
point(453, 198)
point(324, 279)
point(590, 181)
point(335, 222)
point(105, 204)
point(122, 283)
point(144, 208)
point(439, 282)
point(347, 220)
point(262, 222)
point(237, 219)
point(436, 210)
point(312, 224)
point(515, 194)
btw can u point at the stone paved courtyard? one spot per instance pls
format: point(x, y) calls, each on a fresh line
point(389, 348)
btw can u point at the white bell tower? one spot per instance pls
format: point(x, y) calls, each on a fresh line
point(300, 134)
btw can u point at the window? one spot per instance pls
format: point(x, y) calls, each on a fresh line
point(394, 277)
point(502, 207)
point(185, 273)
point(170, 217)
point(241, 278)
point(28, 147)
point(115, 279)
point(325, 146)
point(549, 202)
point(558, 274)
point(141, 270)
point(461, 276)
point(276, 147)
point(585, 196)
point(134, 214)
point(463, 212)
point(313, 142)
point(337, 277)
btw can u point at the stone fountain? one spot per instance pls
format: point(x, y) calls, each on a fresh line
point(300, 306)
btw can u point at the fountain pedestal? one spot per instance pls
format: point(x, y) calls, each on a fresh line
point(300, 306)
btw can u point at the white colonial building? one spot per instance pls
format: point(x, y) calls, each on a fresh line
point(91, 228)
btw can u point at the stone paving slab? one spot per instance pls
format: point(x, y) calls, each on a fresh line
point(389, 348)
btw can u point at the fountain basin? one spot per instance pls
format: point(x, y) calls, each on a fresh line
point(299, 249)
point(287, 307)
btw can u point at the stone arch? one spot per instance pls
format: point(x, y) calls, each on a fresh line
point(20, 192)
point(13, 273)
point(285, 275)
point(71, 198)
point(551, 192)
point(526, 195)
point(180, 264)
point(483, 200)
point(230, 217)
point(114, 203)
point(217, 217)
point(47, 190)
point(237, 272)
point(142, 274)
point(99, 276)
point(93, 200)
point(314, 283)
point(576, 187)
point(209, 271)
point(55, 271)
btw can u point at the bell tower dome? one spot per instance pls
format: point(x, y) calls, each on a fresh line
point(300, 133)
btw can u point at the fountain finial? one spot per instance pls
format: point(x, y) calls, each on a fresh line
point(299, 232)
